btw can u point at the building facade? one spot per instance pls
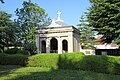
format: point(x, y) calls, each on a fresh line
point(58, 37)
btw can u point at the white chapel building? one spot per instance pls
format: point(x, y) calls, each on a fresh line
point(58, 37)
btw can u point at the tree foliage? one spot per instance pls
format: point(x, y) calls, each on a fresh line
point(86, 33)
point(30, 17)
point(7, 30)
point(104, 16)
point(30, 48)
point(2, 1)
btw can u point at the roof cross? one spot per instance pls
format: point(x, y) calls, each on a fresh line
point(58, 15)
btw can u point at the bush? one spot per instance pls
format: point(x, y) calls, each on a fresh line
point(23, 52)
point(31, 48)
point(48, 60)
point(44, 60)
point(16, 51)
point(80, 53)
point(11, 51)
point(104, 64)
point(77, 61)
point(6, 59)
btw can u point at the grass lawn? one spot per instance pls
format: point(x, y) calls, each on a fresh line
point(38, 73)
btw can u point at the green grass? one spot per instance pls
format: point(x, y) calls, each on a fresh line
point(38, 73)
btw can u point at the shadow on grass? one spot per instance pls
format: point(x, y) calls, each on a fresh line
point(6, 69)
point(69, 67)
point(102, 64)
point(9, 63)
point(66, 75)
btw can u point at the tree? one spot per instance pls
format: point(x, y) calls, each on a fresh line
point(30, 17)
point(86, 33)
point(30, 48)
point(104, 16)
point(2, 1)
point(7, 30)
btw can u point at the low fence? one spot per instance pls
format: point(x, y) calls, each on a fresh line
point(113, 52)
point(88, 51)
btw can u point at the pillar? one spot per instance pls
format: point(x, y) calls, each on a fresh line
point(37, 43)
point(48, 45)
point(59, 45)
point(70, 42)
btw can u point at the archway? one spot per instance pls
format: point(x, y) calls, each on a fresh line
point(53, 45)
point(65, 46)
point(43, 49)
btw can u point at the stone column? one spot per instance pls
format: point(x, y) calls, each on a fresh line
point(48, 45)
point(78, 39)
point(37, 42)
point(70, 42)
point(59, 45)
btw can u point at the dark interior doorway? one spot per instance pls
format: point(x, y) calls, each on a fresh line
point(65, 46)
point(43, 47)
point(53, 45)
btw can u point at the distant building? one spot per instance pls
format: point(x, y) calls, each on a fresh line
point(106, 46)
point(58, 37)
point(102, 45)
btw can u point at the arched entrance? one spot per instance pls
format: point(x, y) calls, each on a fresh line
point(43, 47)
point(64, 46)
point(53, 45)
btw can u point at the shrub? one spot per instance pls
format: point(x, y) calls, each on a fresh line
point(6, 59)
point(48, 60)
point(31, 48)
point(16, 51)
point(80, 53)
point(24, 52)
point(76, 60)
point(104, 64)
point(11, 51)
point(43, 60)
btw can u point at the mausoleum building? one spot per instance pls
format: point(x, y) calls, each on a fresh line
point(58, 37)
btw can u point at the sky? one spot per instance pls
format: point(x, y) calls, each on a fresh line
point(71, 10)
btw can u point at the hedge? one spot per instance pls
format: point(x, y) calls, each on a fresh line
point(11, 51)
point(47, 60)
point(104, 64)
point(6, 59)
point(76, 61)
point(44, 60)
point(16, 51)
